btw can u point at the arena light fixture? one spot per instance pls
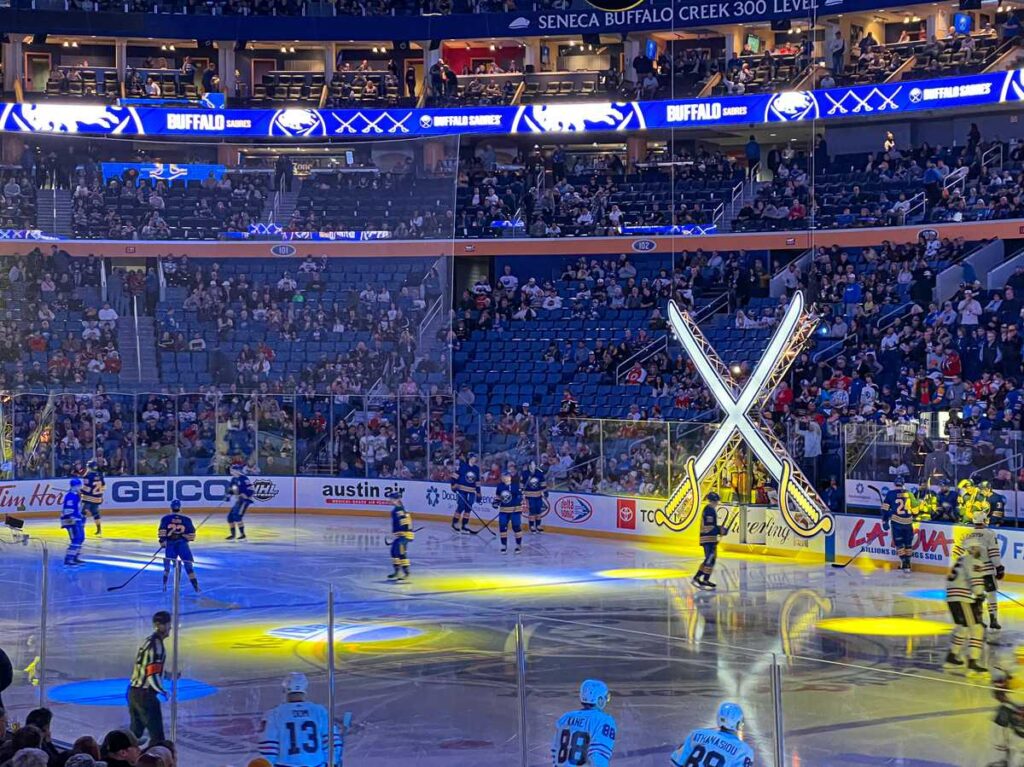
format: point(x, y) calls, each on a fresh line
point(800, 504)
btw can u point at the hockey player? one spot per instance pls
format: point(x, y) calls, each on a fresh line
point(710, 532)
point(722, 747)
point(585, 736)
point(466, 486)
point(535, 488)
point(401, 534)
point(948, 503)
point(241, 489)
point(92, 493)
point(991, 563)
point(176, 533)
point(996, 503)
point(965, 591)
point(971, 500)
point(508, 499)
point(299, 733)
point(1008, 689)
point(71, 519)
point(897, 512)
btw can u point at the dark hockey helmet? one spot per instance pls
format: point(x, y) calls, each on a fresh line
point(175, 505)
point(91, 465)
point(714, 497)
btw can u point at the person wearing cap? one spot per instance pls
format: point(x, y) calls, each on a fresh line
point(401, 534)
point(146, 686)
point(710, 532)
point(71, 519)
point(120, 748)
point(298, 732)
point(466, 486)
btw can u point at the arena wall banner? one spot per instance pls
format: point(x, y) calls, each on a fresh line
point(576, 17)
point(600, 515)
point(885, 99)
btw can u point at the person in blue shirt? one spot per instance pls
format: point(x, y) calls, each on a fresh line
point(176, 533)
point(242, 489)
point(897, 513)
point(508, 498)
point(71, 519)
point(833, 496)
point(92, 493)
point(466, 486)
point(948, 509)
point(401, 534)
point(535, 489)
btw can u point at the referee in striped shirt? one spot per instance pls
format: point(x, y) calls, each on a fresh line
point(147, 681)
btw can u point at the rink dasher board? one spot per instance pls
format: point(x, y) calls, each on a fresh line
point(759, 530)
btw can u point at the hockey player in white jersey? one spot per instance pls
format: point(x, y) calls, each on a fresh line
point(991, 563)
point(965, 592)
point(720, 747)
point(298, 733)
point(585, 736)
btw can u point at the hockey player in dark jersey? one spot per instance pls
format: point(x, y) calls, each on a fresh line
point(241, 489)
point(93, 486)
point(401, 534)
point(535, 488)
point(508, 498)
point(996, 504)
point(176, 533)
point(710, 532)
point(897, 513)
point(466, 486)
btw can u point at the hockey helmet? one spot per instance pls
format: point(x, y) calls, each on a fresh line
point(295, 684)
point(898, 481)
point(594, 692)
point(91, 465)
point(980, 518)
point(730, 716)
point(471, 457)
point(393, 493)
point(75, 482)
point(713, 497)
point(985, 488)
point(175, 505)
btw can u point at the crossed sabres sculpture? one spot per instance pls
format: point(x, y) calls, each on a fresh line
point(802, 507)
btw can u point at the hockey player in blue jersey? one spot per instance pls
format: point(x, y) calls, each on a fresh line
point(466, 486)
point(710, 532)
point(401, 534)
point(508, 498)
point(71, 519)
point(948, 503)
point(721, 747)
point(92, 493)
point(241, 489)
point(996, 504)
point(535, 488)
point(897, 513)
point(585, 736)
point(176, 533)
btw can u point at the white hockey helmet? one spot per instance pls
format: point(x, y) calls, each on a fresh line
point(980, 518)
point(594, 692)
point(295, 684)
point(730, 716)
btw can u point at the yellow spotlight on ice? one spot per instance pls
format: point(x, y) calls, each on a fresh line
point(478, 582)
point(884, 627)
point(644, 573)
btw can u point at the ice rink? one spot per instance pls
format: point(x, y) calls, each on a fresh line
point(429, 668)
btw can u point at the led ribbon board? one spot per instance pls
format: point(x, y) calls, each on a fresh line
point(801, 506)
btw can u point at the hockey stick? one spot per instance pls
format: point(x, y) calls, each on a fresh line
point(137, 572)
point(486, 524)
point(217, 510)
point(848, 561)
point(1004, 595)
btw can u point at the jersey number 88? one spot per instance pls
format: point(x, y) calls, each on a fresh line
point(572, 747)
point(701, 757)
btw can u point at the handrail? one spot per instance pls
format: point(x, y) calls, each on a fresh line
point(718, 214)
point(712, 307)
point(138, 342)
point(753, 177)
point(640, 356)
point(103, 279)
point(737, 194)
point(957, 178)
point(996, 151)
point(917, 202)
point(161, 278)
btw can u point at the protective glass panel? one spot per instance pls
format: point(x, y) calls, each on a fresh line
point(21, 624)
point(34, 418)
